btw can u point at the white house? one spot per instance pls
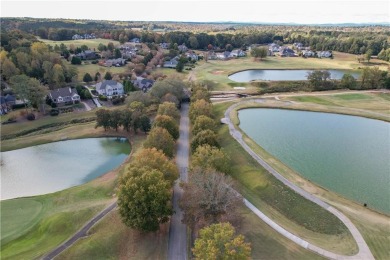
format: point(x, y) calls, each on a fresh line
point(64, 96)
point(324, 54)
point(237, 53)
point(192, 55)
point(109, 88)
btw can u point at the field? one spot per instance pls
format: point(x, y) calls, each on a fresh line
point(91, 43)
point(218, 71)
point(251, 178)
point(93, 68)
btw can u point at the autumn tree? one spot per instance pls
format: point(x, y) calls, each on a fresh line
point(144, 198)
point(200, 107)
point(218, 241)
point(8, 69)
point(160, 139)
point(156, 159)
point(203, 123)
point(200, 94)
point(173, 86)
point(170, 98)
point(168, 123)
point(204, 137)
point(207, 156)
point(168, 109)
point(209, 198)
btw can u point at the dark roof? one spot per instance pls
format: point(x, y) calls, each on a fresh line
point(63, 92)
point(9, 98)
point(147, 81)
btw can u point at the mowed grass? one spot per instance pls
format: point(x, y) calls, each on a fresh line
point(92, 69)
point(91, 43)
point(353, 96)
point(312, 99)
point(111, 239)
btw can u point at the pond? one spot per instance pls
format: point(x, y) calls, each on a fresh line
point(281, 75)
point(346, 154)
point(56, 166)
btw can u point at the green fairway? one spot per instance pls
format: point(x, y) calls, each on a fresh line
point(352, 96)
point(93, 68)
point(312, 99)
point(91, 43)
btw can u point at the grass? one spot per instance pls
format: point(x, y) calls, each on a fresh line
point(91, 43)
point(353, 96)
point(93, 68)
point(373, 226)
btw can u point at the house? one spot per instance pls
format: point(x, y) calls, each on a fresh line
point(143, 84)
point(128, 54)
point(77, 37)
point(274, 47)
point(113, 62)
point(135, 40)
point(192, 55)
point(308, 53)
point(87, 55)
point(182, 48)
point(287, 52)
point(223, 55)
point(298, 45)
point(171, 63)
point(128, 47)
point(64, 96)
point(212, 55)
point(109, 88)
point(85, 36)
point(6, 103)
point(324, 54)
point(252, 46)
point(237, 53)
point(164, 45)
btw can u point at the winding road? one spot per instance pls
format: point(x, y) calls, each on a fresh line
point(364, 251)
point(177, 245)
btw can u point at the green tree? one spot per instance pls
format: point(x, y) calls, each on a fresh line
point(229, 47)
point(200, 94)
point(126, 119)
point(110, 46)
point(179, 66)
point(128, 86)
point(115, 119)
point(218, 241)
point(144, 123)
point(168, 123)
point(168, 109)
point(87, 78)
point(202, 123)
point(97, 76)
point(117, 54)
point(103, 119)
point(368, 55)
point(75, 60)
point(20, 86)
point(260, 52)
point(173, 86)
point(206, 156)
point(160, 139)
point(102, 47)
point(108, 76)
point(36, 92)
point(8, 69)
point(144, 198)
point(204, 137)
point(194, 44)
point(156, 159)
point(318, 78)
point(348, 81)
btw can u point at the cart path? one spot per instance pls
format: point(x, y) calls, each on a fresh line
point(80, 234)
point(364, 251)
point(177, 245)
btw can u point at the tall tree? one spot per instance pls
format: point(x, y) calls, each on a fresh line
point(168, 123)
point(160, 139)
point(203, 123)
point(144, 198)
point(103, 119)
point(20, 86)
point(87, 78)
point(144, 123)
point(8, 69)
point(206, 156)
point(108, 76)
point(218, 241)
point(168, 109)
point(200, 107)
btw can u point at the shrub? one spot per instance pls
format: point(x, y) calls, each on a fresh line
point(54, 112)
point(102, 98)
point(30, 117)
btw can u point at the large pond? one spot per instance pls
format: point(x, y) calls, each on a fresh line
point(56, 166)
point(280, 75)
point(346, 154)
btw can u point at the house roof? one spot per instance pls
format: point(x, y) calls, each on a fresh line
point(105, 83)
point(63, 92)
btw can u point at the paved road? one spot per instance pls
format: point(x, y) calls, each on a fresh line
point(177, 245)
point(81, 233)
point(364, 252)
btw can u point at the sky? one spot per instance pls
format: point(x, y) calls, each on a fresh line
point(261, 11)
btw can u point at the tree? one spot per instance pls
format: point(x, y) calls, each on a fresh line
point(204, 137)
point(202, 123)
point(193, 42)
point(97, 76)
point(128, 86)
point(170, 98)
point(36, 92)
point(219, 242)
point(8, 69)
point(144, 123)
point(117, 54)
point(168, 109)
point(160, 139)
point(368, 55)
point(260, 52)
point(200, 107)
point(115, 119)
point(156, 159)
point(126, 119)
point(200, 94)
point(318, 78)
point(75, 60)
point(144, 198)
point(348, 81)
point(110, 46)
point(108, 76)
point(103, 119)
point(87, 78)
point(206, 156)
point(209, 198)
point(20, 86)
point(102, 47)
point(229, 47)
point(173, 86)
point(180, 66)
point(168, 123)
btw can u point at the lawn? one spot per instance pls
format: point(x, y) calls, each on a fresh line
point(93, 68)
point(91, 43)
point(43, 222)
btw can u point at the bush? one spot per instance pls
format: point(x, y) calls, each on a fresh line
point(30, 117)
point(54, 112)
point(102, 98)
point(94, 62)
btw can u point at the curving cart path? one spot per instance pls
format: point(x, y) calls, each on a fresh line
point(364, 251)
